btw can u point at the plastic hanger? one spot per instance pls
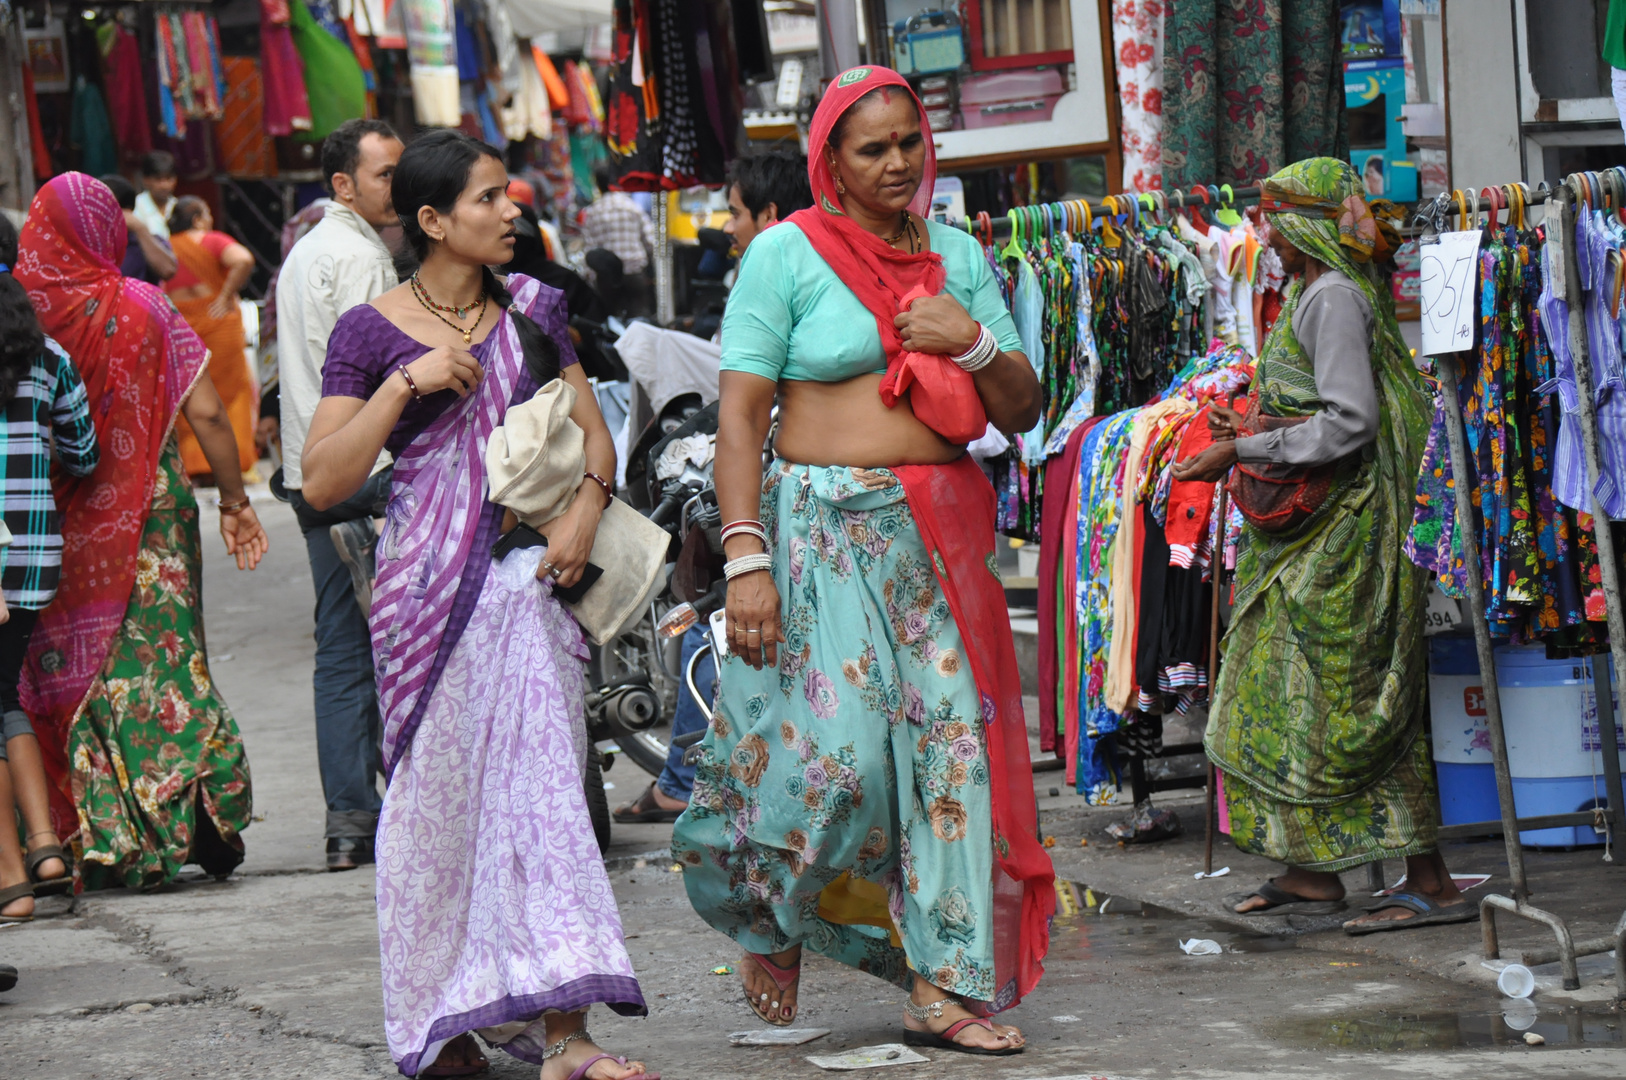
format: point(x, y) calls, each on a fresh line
point(1516, 196)
point(1013, 247)
point(1109, 235)
point(1226, 215)
point(1493, 198)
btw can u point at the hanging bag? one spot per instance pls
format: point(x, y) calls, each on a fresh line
point(1273, 497)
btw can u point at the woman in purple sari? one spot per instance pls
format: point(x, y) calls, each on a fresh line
point(494, 910)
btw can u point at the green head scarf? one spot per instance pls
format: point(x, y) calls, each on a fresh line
point(1320, 206)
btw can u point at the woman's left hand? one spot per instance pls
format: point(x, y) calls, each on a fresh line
point(1209, 466)
point(570, 537)
point(245, 537)
point(222, 305)
point(937, 325)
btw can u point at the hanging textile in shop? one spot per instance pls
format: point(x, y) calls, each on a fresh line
point(245, 148)
point(191, 83)
point(287, 107)
point(340, 93)
point(1248, 87)
point(126, 90)
point(675, 105)
point(1519, 399)
point(432, 51)
point(89, 131)
point(1137, 50)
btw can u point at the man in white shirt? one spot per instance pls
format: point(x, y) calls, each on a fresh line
point(340, 263)
point(157, 199)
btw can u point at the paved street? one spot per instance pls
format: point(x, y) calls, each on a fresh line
point(275, 972)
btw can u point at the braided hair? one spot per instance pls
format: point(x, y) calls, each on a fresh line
point(434, 171)
point(21, 339)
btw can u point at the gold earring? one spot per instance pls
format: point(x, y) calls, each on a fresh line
point(841, 189)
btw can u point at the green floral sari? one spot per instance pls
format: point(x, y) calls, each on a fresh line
point(1318, 708)
point(157, 766)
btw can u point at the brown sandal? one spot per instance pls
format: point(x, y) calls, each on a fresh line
point(49, 886)
point(645, 811)
point(11, 896)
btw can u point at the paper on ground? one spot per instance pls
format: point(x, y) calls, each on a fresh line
point(777, 1037)
point(1221, 872)
point(1464, 882)
point(868, 1057)
point(1201, 947)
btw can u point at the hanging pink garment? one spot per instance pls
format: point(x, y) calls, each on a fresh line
point(287, 108)
point(1137, 44)
point(126, 95)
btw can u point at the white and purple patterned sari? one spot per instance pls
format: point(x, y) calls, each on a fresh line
point(493, 902)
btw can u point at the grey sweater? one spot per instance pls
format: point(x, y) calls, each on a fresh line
point(1334, 324)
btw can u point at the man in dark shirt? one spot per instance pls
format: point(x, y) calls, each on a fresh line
point(146, 257)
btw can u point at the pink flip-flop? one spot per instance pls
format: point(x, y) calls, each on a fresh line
point(782, 977)
point(581, 1071)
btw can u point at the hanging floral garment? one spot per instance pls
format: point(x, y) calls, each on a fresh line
point(1248, 87)
point(1137, 42)
point(287, 107)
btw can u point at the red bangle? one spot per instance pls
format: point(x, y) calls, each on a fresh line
point(407, 375)
point(609, 494)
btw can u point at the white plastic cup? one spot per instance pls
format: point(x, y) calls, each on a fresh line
point(1516, 981)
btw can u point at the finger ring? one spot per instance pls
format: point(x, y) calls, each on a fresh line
point(553, 571)
point(753, 631)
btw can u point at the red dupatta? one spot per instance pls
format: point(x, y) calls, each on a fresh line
point(139, 360)
point(953, 506)
point(942, 395)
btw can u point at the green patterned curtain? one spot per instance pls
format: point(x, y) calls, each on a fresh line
point(1249, 86)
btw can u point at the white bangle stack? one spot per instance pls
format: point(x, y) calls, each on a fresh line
point(981, 354)
point(747, 564)
point(745, 527)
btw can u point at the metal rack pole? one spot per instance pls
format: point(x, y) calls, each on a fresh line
point(1457, 440)
point(664, 302)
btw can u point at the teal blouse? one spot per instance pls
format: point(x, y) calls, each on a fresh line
point(790, 317)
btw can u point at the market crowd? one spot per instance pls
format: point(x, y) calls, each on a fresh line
point(864, 786)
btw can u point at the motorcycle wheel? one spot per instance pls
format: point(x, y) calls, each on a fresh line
point(640, 649)
point(598, 800)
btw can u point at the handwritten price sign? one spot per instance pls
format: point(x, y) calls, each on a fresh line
point(1447, 275)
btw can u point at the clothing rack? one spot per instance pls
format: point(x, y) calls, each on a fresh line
point(1577, 188)
point(1084, 211)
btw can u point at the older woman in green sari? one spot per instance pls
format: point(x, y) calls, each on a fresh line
point(1317, 720)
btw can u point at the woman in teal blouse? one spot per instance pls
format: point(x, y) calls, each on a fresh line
point(864, 788)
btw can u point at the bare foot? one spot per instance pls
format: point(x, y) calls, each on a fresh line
point(563, 1065)
point(996, 1037)
point(763, 994)
point(461, 1053)
point(1304, 884)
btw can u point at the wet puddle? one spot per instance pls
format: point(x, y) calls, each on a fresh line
point(1096, 925)
point(1403, 1029)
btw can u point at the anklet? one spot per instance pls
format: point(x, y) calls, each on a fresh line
point(553, 1050)
point(925, 1014)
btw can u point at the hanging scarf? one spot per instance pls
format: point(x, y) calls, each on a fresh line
point(139, 361)
point(886, 281)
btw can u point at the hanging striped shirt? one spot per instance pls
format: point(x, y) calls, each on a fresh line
point(50, 406)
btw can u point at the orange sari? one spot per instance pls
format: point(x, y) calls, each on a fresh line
point(228, 366)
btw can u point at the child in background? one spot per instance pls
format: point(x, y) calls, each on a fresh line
point(154, 205)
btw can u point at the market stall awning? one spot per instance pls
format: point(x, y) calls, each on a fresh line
point(533, 17)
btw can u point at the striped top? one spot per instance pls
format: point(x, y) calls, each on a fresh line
point(50, 406)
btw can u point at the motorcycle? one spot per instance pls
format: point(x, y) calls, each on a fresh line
point(635, 678)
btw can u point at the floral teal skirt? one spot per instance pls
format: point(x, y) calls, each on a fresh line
point(842, 800)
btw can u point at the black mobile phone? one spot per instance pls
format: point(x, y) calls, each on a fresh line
point(524, 536)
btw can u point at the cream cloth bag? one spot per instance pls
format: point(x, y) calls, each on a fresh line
point(535, 461)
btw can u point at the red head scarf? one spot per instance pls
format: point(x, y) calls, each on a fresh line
point(139, 360)
point(942, 395)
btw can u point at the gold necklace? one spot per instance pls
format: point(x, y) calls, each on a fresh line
point(430, 306)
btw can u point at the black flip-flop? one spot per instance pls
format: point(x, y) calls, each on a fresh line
point(1428, 912)
point(646, 811)
point(944, 1040)
point(1278, 901)
point(44, 886)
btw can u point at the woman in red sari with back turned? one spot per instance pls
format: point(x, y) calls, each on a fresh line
point(865, 789)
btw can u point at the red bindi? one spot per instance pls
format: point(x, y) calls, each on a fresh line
point(894, 136)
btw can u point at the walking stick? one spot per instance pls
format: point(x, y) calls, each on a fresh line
point(1217, 565)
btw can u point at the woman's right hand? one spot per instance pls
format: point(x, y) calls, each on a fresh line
point(754, 633)
point(446, 368)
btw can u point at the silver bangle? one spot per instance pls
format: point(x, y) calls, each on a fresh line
point(746, 564)
point(981, 354)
